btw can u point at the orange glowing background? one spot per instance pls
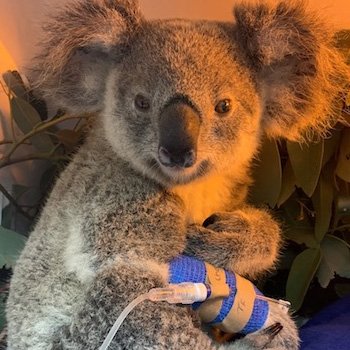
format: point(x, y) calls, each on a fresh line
point(20, 19)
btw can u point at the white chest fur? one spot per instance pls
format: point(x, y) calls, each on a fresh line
point(205, 197)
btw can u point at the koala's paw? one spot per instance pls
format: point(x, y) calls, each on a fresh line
point(226, 222)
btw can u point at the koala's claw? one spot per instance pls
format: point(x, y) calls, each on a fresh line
point(210, 220)
point(273, 330)
point(226, 222)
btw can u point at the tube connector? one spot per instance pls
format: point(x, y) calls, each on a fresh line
point(182, 293)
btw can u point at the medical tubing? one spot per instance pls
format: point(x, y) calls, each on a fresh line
point(121, 319)
point(182, 293)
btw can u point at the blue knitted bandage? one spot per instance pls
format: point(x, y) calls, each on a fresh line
point(187, 269)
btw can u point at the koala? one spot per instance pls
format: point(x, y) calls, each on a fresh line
point(181, 107)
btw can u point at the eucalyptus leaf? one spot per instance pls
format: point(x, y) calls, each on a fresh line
point(300, 276)
point(335, 260)
point(267, 175)
point(306, 162)
point(293, 214)
point(343, 164)
point(331, 145)
point(26, 118)
point(7, 216)
point(15, 84)
point(322, 201)
point(11, 244)
point(343, 205)
point(288, 183)
point(302, 235)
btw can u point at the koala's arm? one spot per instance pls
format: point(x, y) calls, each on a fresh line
point(245, 241)
point(149, 326)
point(157, 326)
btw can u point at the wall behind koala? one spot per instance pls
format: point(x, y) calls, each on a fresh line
point(20, 19)
point(20, 22)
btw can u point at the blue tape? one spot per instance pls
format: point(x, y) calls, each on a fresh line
point(259, 315)
point(186, 269)
point(227, 303)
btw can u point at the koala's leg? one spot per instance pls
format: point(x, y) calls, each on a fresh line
point(149, 326)
point(245, 241)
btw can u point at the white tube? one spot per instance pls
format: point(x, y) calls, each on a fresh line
point(120, 320)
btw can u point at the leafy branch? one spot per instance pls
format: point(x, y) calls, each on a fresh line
point(29, 127)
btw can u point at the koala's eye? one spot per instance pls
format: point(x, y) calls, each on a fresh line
point(223, 106)
point(142, 103)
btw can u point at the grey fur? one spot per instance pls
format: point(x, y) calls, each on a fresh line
point(116, 217)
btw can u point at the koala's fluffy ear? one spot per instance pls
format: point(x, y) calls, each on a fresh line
point(290, 51)
point(81, 42)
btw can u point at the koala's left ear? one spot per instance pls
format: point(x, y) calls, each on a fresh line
point(291, 53)
point(81, 43)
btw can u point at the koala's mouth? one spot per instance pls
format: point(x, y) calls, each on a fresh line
point(179, 175)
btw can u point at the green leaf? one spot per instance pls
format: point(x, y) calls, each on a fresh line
point(15, 83)
point(302, 235)
point(343, 205)
point(267, 175)
point(11, 244)
point(26, 118)
point(293, 214)
point(343, 166)
point(322, 201)
point(300, 276)
point(331, 146)
point(7, 216)
point(288, 183)
point(306, 162)
point(335, 260)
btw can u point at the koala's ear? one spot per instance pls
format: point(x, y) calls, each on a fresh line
point(291, 52)
point(81, 43)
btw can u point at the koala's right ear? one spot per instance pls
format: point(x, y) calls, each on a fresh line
point(291, 51)
point(81, 42)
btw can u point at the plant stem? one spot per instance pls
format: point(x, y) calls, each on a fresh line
point(6, 142)
point(36, 130)
point(14, 203)
point(339, 228)
point(36, 156)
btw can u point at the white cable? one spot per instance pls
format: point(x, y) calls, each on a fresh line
point(120, 320)
point(183, 293)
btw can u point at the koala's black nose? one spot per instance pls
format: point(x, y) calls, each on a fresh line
point(178, 135)
point(183, 159)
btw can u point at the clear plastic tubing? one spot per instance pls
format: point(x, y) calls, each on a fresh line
point(183, 293)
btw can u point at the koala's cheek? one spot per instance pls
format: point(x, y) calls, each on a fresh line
point(223, 132)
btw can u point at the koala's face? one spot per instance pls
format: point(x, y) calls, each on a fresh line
point(180, 105)
point(180, 99)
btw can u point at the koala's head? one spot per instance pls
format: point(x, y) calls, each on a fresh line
point(181, 99)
